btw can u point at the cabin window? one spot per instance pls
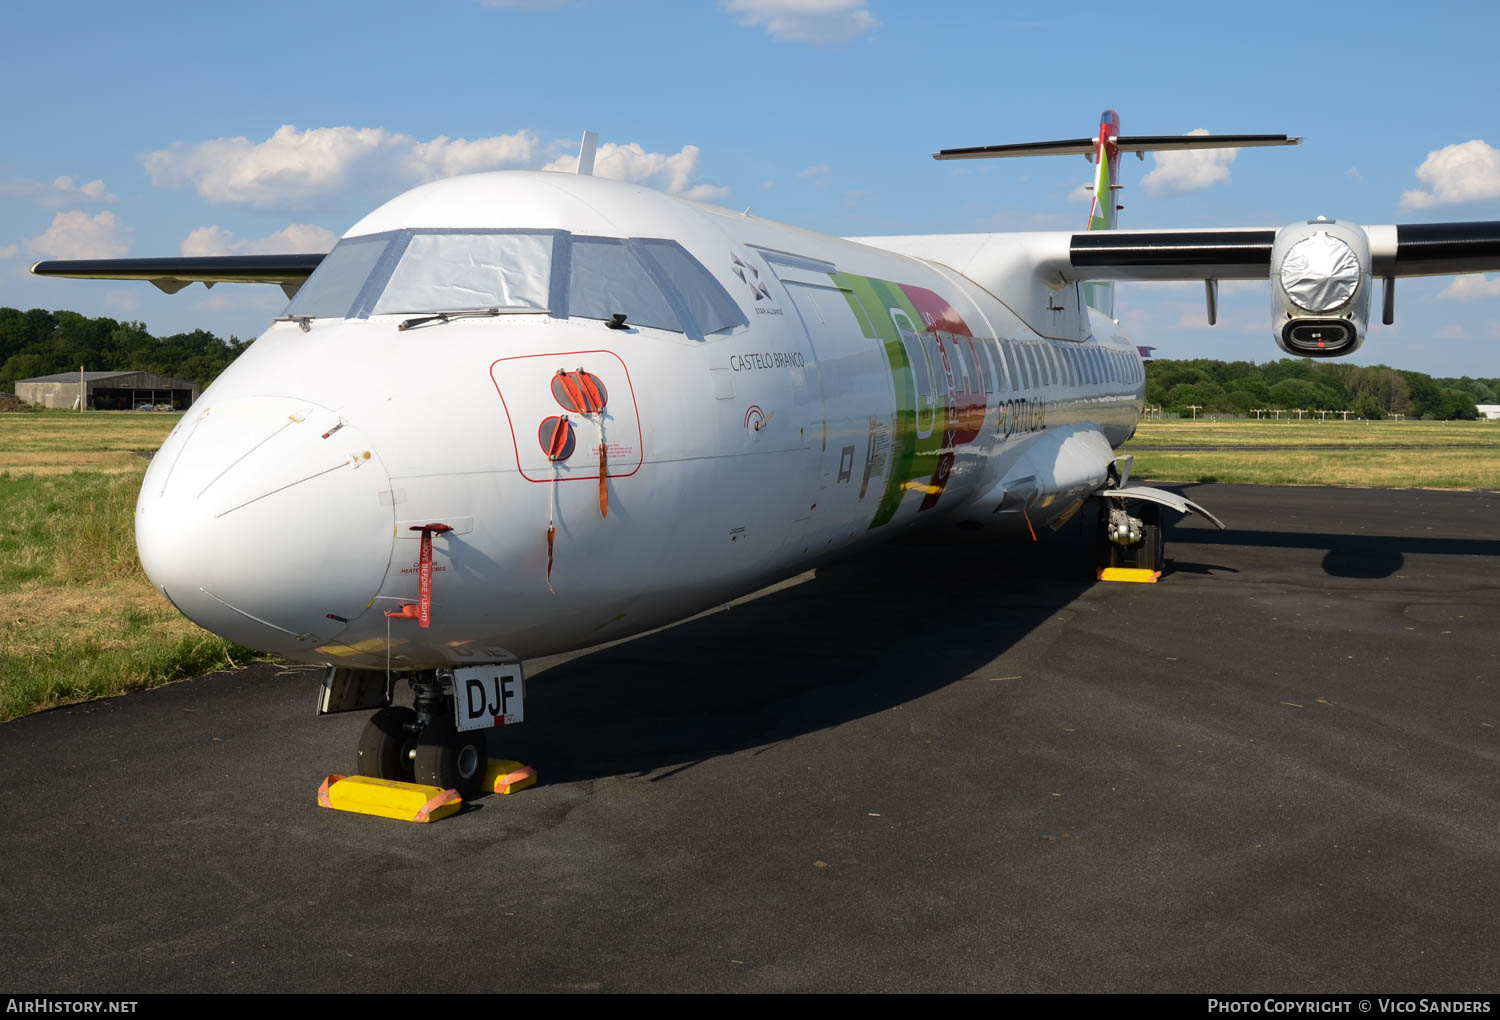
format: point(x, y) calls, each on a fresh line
point(441, 272)
point(992, 378)
point(1014, 364)
point(1036, 373)
point(332, 288)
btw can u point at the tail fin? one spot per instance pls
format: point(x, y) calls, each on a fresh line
point(1106, 160)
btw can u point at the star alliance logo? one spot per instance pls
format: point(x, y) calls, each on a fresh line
point(759, 289)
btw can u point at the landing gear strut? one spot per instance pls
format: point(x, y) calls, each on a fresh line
point(422, 745)
point(1132, 541)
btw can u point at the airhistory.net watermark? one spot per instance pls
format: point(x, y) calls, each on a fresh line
point(38, 1004)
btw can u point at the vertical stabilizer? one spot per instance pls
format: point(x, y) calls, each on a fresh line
point(1106, 160)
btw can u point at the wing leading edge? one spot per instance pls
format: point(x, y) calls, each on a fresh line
point(173, 274)
point(1410, 249)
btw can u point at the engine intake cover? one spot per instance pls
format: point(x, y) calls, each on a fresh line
point(1320, 288)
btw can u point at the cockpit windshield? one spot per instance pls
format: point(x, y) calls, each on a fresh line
point(439, 271)
point(653, 282)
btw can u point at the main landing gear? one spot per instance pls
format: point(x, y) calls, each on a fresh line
point(422, 745)
point(1130, 541)
point(1131, 544)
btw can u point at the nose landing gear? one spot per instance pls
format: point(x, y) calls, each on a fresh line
point(423, 745)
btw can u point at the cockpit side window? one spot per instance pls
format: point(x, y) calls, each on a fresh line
point(608, 280)
point(333, 287)
point(707, 302)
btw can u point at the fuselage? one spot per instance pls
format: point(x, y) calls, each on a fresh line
point(776, 396)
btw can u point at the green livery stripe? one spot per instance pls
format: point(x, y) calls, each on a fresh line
point(1104, 199)
point(871, 301)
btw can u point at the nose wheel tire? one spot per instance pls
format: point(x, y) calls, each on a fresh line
point(387, 743)
point(451, 758)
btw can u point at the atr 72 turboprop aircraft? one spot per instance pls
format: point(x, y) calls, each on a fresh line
point(516, 413)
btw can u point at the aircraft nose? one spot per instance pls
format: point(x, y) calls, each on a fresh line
point(267, 520)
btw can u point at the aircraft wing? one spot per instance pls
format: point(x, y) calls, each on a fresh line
point(1125, 143)
point(1412, 249)
point(173, 274)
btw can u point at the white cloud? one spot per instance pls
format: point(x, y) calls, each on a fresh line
point(10, 251)
point(242, 296)
point(821, 22)
point(296, 238)
point(1472, 287)
point(62, 191)
point(768, 184)
point(675, 174)
point(1353, 173)
point(77, 235)
point(1452, 333)
point(818, 176)
point(122, 302)
point(1188, 170)
point(1456, 173)
point(293, 168)
point(1083, 194)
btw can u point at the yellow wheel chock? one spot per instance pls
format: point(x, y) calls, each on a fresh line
point(407, 802)
point(1140, 575)
point(412, 802)
point(508, 776)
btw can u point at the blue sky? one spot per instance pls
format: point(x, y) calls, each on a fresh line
point(175, 128)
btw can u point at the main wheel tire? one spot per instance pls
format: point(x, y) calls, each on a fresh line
point(386, 744)
point(452, 759)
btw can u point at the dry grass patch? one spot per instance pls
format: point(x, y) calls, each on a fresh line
point(1292, 433)
point(93, 432)
point(1428, 469)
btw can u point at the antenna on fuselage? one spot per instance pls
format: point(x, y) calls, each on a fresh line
point(586, 153)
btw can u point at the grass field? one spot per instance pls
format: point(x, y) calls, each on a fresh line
point(1310, 432)
point(1422, 454)
point(81, 619)
point(83, 622)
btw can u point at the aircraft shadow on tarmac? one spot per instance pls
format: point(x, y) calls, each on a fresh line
point(1352, 556)
point(869, 632)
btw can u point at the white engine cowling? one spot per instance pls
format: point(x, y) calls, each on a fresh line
point(1320, 288)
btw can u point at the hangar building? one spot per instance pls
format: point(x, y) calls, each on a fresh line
point(108, 391)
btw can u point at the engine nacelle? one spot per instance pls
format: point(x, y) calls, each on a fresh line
point(1320, 288)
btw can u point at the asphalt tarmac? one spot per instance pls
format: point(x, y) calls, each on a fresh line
point(927, 768)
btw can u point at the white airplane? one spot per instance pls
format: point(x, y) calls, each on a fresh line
point(512, 414)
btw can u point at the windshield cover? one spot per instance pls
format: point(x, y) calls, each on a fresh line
point(445, 272)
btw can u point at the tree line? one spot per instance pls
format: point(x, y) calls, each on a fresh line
point(39, 342)
point(1371, 391)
